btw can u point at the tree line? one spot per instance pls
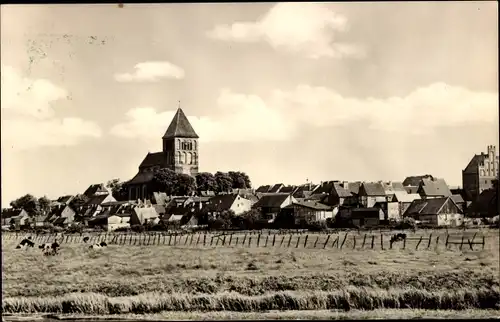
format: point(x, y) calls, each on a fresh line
point(179, 184)
point(164, 180)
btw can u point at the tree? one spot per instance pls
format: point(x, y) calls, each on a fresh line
point(224, 182)
point(164, 181)
point(44, 204)
point(118, 189)
point(27, 202)
point(246, 178)
point(251, 219)
point(206, 182)
point(185, 185)
point(78, 201)
point(236, 181)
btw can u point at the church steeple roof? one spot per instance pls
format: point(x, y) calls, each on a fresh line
point(180, 127)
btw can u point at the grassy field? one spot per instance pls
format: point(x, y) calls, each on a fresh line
point(123, 279)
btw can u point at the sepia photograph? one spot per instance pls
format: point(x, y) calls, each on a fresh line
point(244, 161)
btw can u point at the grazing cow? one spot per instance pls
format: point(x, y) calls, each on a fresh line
point(85, 239)
point(95, 246)
point(103, 244)
point(26, 243)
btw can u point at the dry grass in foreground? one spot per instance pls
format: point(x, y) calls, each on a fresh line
point(346, 299)
point(121, 279)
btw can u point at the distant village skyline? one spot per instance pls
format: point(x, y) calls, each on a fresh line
point(350, 91)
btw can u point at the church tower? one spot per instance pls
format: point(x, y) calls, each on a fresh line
point(180, 145)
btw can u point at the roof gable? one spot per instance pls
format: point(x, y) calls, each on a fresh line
point(271, 200)
point(310, 205)
point(434, 188)
point(415, 180)
point(95, 189)
point(180, 127)
point(222, 202)
point(430, 206)
point(153, 159)
point(372, 189)
point(339, 191)
point(473, 165)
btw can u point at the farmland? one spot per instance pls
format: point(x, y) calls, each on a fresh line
point(296, 274)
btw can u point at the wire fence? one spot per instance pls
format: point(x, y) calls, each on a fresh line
point(348, 240)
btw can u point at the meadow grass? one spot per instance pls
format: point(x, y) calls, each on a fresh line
point(270, 315)
point(147, 279)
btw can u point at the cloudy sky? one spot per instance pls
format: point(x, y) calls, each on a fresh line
point(284, 92)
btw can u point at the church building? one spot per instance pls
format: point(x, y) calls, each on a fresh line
point(180, 154)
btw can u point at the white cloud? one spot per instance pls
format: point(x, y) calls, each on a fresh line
point(26, 96)
point(151, 72)
point(307, 28)
point(31, 121)
point(281, 116)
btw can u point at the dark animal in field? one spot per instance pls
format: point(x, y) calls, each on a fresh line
point(398, 237)
point(85, 239)
point(26, 243)
point(95, 246)
point(103, 244)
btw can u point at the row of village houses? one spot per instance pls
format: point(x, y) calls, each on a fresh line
point(424, 198)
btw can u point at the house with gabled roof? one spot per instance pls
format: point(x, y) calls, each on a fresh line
point(370, 193)
point(276, 188)
point(339, 196)
point(96, 190)
point(180, 154)
point(14, 216)
point(304, 191)
point(228, 202)
point(433, 188)
point(436, 211)
point(270, 205)
point(62, 215)
point(263, 189)
point(309, 211)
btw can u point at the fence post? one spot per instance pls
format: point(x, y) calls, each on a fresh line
point(258, 240)
point(224, 240)
point(317, 238)
point(483, 242)
point(244, 239)
point(462, 243)
point(298, 241)
point(373, 241)
point(381, 241)
point(364, 240)
point(249, 241)
point(267, 238)
point(354, 247)
point(404, 243)
point(274, 239)
point(345, 238)
point(419, 242)
point(186, 241)
point(305, 242)
point(237, 238)
point(326, 242)
point(198, 239)
point(230, 239)
point(290, 240)
point(430, 238)
point(447, 237)
point(470, 244)
point(149, 238)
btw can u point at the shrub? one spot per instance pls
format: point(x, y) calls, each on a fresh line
point(317, 226)
point(75, 229)
point(122, 229)
point(138, 228)
point(406, 223)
